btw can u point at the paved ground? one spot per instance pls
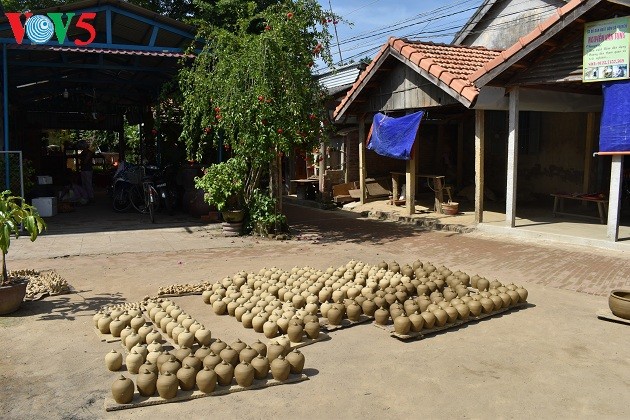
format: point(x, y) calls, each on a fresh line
point(552, 359)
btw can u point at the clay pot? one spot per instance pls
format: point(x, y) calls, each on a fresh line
point(211, 360)
point(141, 349)
point(229, 355)
point(381, 316)
point(124, 334)
point(296, 360)
point(261, 367)
point(295, 332)
point(162, 358)
point(186, 339)
point(417, 322)
point(482, 284)
point(134, 361)
point(203, 336)
point(181, 353)
point(113, 360)
point(144, 330)
point(193, 362)
point(395, 311)
point(486, 304)
point(186, 377)
point(103, 324)
point(312, 329)
point(154, 335)
point(202, 352)
point(219, 307)
point(247, 319)
point(514, 296)
point(258, 322)
point(217, 346)
point(116, 327)
point(122, 390)
point(260, 347)
point(137, 322)
point(238, 345)
point(172, 365)
point(274, 350)
point(334, 315)
point(132, 340)
point(167, 384)
point(244, 374)
point(475, 307)
point(429, 319)
point(353, 312)
point(148, 367)
point(225, 373)
point(270, 329)
point(283, 324)
point(247, 354)
point(369, 307)
point(280, 368)
point(452, 314)
point(463, 311)
point(522, 293)
point(146, 383)
point(619, 303)
point(206, 380)
point(402, 325)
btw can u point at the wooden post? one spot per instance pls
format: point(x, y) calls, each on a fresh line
point(512, 159)
point(460, 154)
point(395, 194)
point(322, 168)
point(614, 200)
point(410, 193)
point(362, 170)
point(479, 160)
point(588, 152)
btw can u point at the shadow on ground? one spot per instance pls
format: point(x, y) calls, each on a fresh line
point(66, 307)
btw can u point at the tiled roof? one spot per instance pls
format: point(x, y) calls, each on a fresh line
point(526, 40)
point(449, 66)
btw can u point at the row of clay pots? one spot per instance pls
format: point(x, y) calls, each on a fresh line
point(177, 324)
point(206, 378)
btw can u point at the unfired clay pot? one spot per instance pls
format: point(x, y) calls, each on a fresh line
point(402, 324)
point(217, 346)
point(172, 365)
point(122, 390)
point(211, 360)
point(334, 315)
point(146, 382)
point(353, 311)
point(247, 354)
point(229, 355)
point(181, 353)
point(203, 336)
point(619, 303)
point(186, 377)
point(244, 374)
point(260, 347)
point(274, 349)
point(295, 332)
point(103, 324)
point(312, 329)
point(193, 362)
point(148, 367)
point(186, 338)
point(381, 316)
point(116, 327)
point(280, 368)
point(133, 361)
point(206, 380)
point(429, 319)
point(261, 367)
point(225, 373)
point(167, 385)
point(296, 361)
point(238, 345)
point(417, 322)
point(113, 360)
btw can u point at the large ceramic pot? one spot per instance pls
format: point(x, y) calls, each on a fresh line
point(619, 303)
point(11, 297)
point(233, 216)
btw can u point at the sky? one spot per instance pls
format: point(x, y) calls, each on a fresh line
point(374, 21)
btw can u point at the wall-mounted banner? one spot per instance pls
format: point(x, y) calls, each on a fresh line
point(606, 50)
point(40, 29)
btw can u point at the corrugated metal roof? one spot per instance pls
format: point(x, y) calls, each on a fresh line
point(340, 77)
point(89, 50)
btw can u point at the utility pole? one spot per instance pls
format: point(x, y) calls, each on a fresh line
point(336, 34)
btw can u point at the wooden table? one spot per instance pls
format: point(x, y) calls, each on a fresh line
point(302, 186)
point(558, 202)
point(438, 188)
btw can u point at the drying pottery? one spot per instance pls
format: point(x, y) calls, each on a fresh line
point(162, 358)
point(206, 380)
point(522, 294)
point(482, 284)
point(506, 300)
point(417, 322)
point(247, 354)
point(186, 377)
point(154, 346)
point(280, 368)
point(124, 334)
point(122, 390)
point(284, 341)
point(225, 373)
point(219, 307)
point(244, 374)
point(229, 355)
point(137, 322)
point(395, 311)
point(270, 329)
point(203, 336)
point(258, 322)
point(369, 307)
point(238, 345)
point(296, 361)
point(260, 347)
point(452, 313)
point(113, 360)
point(172, 365)
point(514, 296)
point(144, 330)
point(486, 304)
point(402, 324)
point(154, 335)
point(132, 340)
point(217, 346)
point(103, 324)
point(202, 352)
point(181, 353)
point(463, 310)
point(166, 385)
point(116, 327)
point(164, 322)
point(283, 323)
point(193, 362)
point(334, 315)
point(429, 319)
point(312, 329)
point(238, 312)
point(187, 322)
point(441, 317)
point(159, 316)
point(171, 327)
point(498, 302)
point(211, 360)
point(186, 339)
point(194, 327)
point(261, 367)
point(353, 311)
point(141, 349)
point(146, 383)
point(295, 332)
point(475, 307)
point(381, 316)
point(274, 350)
point(619, 303)
point(148, 367)
point(247, 319)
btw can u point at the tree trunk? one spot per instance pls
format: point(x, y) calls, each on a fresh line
point(275, 186)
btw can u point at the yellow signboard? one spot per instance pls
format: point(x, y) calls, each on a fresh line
point(606, 50)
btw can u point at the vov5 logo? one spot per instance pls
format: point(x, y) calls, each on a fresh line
point(40, 28)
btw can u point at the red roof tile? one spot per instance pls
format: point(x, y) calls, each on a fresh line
point(452, 65)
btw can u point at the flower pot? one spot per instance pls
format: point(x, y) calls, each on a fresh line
point(233, 216)
point(11, 297)
point(450, 208)
point(619, 303)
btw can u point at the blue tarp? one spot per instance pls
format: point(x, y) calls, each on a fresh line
point(394, 137)
point(614, 134)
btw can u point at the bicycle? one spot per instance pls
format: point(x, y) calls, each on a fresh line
point(150, 198)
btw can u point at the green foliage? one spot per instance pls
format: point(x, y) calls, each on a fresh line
point(223, 184)
point(262, 215)
point(13, 212)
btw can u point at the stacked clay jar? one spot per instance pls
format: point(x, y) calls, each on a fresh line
point(414, 297)
point(199, 361)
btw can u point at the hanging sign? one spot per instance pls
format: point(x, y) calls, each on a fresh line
point(606, 50)
point(39, 29)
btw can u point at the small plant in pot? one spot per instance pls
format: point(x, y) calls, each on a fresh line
point(223, 185)
point(14, 211)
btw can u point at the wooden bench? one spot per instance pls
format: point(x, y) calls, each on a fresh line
point(558, 201)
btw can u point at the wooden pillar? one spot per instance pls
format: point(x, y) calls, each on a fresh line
point(512, 159)
point(410, 193)
point(362, 169)
point(460, 154)
point(479, 160)
point(614, 201)
point(588, 152)
point(322, 168)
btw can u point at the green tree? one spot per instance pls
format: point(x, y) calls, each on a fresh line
point(252, 88)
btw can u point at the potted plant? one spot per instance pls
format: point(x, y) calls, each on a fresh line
point(223, 185)
point(14, 211)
